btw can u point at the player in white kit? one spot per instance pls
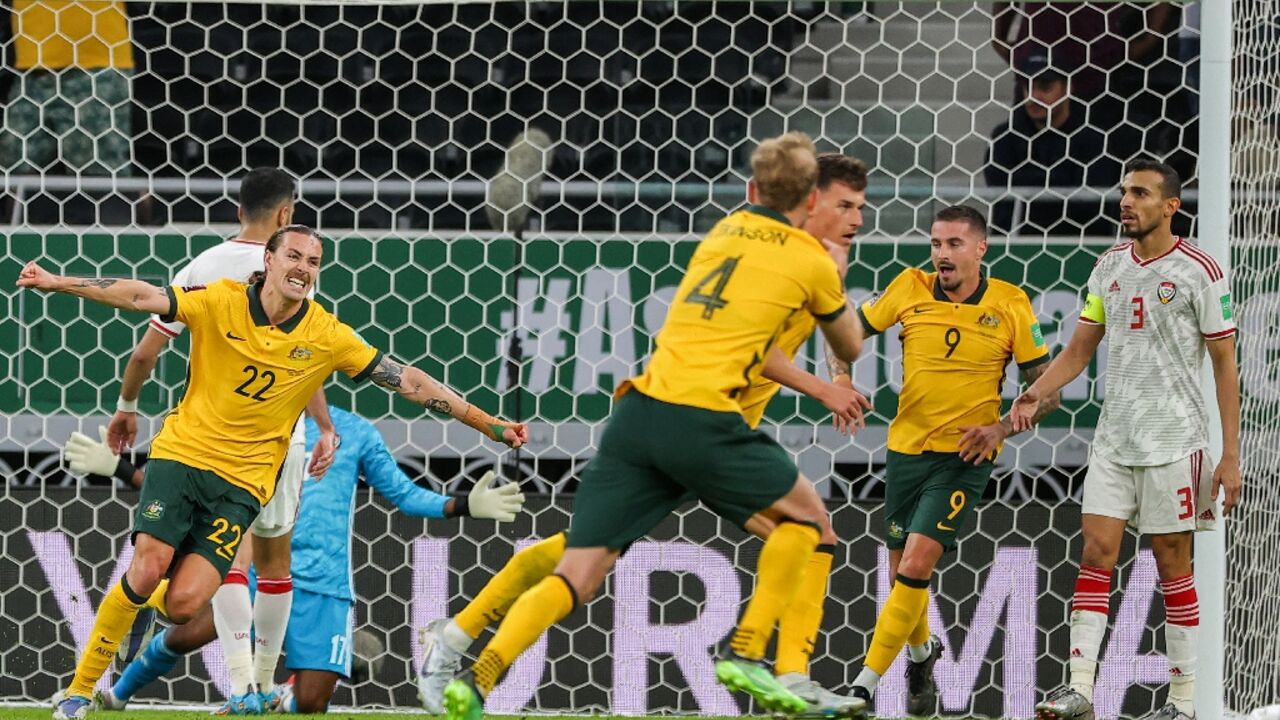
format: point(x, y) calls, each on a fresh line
point(266, 204)
point(1164, 302)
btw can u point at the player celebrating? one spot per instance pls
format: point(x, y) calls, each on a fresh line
point(321, 618)
point(677, 431)
point(959, 331)
point(258, 353)
point(836, 218)
point(266, 205)
point(1166, 302)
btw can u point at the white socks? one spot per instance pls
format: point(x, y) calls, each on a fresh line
point(1087, 629)
point(919, 653)
point(455, 637)
point(233, 618)
point(270, 621)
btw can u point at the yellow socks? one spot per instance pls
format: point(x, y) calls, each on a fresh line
point(156, 601)
point(783, 563)
point(520, 573)
point(798, 628)
point(535, 611)
point(899, 618)
point(115, 616)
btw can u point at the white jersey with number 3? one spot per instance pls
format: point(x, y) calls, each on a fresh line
point(1158, 314)
point(236, 260)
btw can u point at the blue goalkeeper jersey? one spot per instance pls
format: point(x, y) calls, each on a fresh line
point(322, 535)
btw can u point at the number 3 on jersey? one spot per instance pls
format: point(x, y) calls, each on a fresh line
point(707, 292)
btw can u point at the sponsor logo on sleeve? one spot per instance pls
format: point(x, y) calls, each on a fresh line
point(1036, 335)
point(1225, 301)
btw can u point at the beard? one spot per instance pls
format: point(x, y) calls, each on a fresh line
point(1139, 231)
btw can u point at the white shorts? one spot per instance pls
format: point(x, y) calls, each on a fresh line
point(1156, 499)
point(278, 517)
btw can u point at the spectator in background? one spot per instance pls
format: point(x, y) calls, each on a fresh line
point(1081, 35)
point(1047, 144)
point(69, 105)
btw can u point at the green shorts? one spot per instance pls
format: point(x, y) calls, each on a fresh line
point(931, 494)
point(655, 456)
point(194, 511)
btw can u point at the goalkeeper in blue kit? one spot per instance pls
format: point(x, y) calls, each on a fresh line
point(318, 640)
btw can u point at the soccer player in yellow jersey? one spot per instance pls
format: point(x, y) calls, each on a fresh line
point(835, 220)
point(677, 430)
point(258, 353)
point(959, 331)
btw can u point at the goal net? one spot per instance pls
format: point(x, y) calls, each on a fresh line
point(394, 115)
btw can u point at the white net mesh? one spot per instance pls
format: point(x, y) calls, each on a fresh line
point(394, 116)
point(1253, 662)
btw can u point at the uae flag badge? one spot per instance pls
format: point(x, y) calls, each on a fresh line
point(1166, 291)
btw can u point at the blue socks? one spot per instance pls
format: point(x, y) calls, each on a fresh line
point(154, 662)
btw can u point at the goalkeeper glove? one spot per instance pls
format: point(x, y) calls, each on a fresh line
point(86, 456)
point(500, 503)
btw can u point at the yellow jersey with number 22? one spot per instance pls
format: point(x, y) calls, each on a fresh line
point(249, 381)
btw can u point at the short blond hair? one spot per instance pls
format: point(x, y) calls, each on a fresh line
point(784, 170)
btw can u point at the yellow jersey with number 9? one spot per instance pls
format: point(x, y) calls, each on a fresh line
point(953, 355)
point(747, 277)
point(249, 380)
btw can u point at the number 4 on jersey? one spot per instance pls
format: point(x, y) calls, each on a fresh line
point(712, 301)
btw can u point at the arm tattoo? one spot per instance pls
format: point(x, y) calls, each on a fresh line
point(439, 406)
point(97, 282)
point(1047, 405)
point(836, 366)
point(388, 373)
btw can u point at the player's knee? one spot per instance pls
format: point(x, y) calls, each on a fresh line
point(183, 604)
point(916, 568)
point(1100, 552)
point(1172, 554)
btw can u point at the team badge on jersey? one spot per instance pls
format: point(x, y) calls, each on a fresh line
point(301, 354)
point(895, 531)
point(989, 320)
point(1166, 292)
point(153, 510)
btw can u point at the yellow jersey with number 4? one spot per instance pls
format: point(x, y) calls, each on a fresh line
point(953, 355)
point(749, 276)
point(249, 381)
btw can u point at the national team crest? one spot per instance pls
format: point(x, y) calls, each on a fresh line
point(989, 320)
point(1166, 292)
point(154, 510)
point(895, 531)
point(301, 354)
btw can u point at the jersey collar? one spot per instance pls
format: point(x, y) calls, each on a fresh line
point(973, 299)
point(259, 314)
point(769, 213)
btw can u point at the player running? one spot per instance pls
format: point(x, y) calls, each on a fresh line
point(1165, 302)
point(959, 331)
point(251, 634)
point(258, 354)
point(677, 430)
point(318, 642)
point(835, 220)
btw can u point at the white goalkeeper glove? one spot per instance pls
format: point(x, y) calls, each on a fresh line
point(501, 503)
point(86, 456)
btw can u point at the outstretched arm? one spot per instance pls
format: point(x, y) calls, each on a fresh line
point(1066, 367)
point(418, 387)
point(847, 404)
point(979, 441)
point(117, 293)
